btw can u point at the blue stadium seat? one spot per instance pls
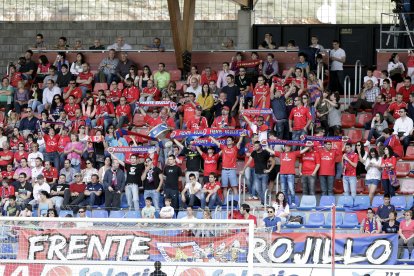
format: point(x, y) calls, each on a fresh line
point(345, 202)
point(199, 214)
point(399, 202)
point(315, 220)
point(181, 214)
point(328, 220)
point(133, 214)
point(350, 221)
point(308, 202)
point(410, 200)
point(63, 213)
point(157, 214)
point(124, 202)
point(377, 201)
point(99, 213)
point(406, 254)
point(326, 202)
point(117, 214)
point(361, 202)
point(297, 201)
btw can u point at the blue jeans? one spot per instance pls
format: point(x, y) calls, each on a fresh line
point(260, 182)
point(212, 202)
point(282, 129)
point(132, 195)
point(155, 197)
point(338, 170)
point(388, 188)
point(327, 183)
point(349, 183)
point(296, 136)
point(249, 178)
point(54, 158)
point(308, 184)
point(287, 181)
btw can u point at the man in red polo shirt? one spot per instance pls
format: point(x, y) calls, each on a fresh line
point(105, 114)
point(188, 109)
point(212, 195)
point(299, 119)
point(52, 147)
point(123, 113)
point(6, 156)
point(388, 91)
point(50, 173)
point(349, 162)
point(392, 113)
point(327, 168)
point(229, 170)
point(74, 195)
point(163, 118)
point(406, 89)
point(71, 107)
point(308, 170)
point(72, 90)
point(150, 93)
point(261, 94)
point(208, 75)
point(210, 162)
point(131, 93)
point(198, 122)
point(224, 121)
point(85, 79)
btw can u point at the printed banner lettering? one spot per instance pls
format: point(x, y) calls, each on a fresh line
point(214, 132)
point(170, 104)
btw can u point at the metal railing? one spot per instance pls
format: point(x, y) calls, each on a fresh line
point(320, 68)
point(242, 186)
point(358, 76)
point(347, 91)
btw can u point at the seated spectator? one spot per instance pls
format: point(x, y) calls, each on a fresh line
point(406, 89)
point(385, 209)
point(12, 209)
point(64, 77)
point(39, 43)
point(395, 68)
point(14, 76)
point(228, 45)
point(245, 212)
point(48, 96)
point(366, 98)
point(392, 225)
point(211, 193)
point(167, 212)
point(388, 91)
point(42, 68)
point(85, 79)
point(403, 127)
point(156, 45)
point(370, 76)
point(21, 165)
point(161, 77)
point(93, 192)
point(97, 45)
point(224, 121)
point(392, 113)
point(389, 139)
point(27, 211)
point(6, 94)
point(28, 124)
point(78, 45)
point(272, 221)
point(76, 67)
point(377, 125)
point(406, 234)
point(222, 75)
point(6, 191)
point(61, 44)
point(122, 68)
point(57, 191)
point(302, 64)
point(44, 203)
point(380, 105)
point(120, 45)
point(148, 211)
point(189, 228)
point(267, 42)
point(370, 225)
point(74, 195)
point(107, 68)
point(208, 75)
point(191, 194)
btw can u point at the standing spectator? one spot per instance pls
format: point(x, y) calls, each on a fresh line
point(308, 170)
point(193, 160)
point(270, 67)
point(173, 181)
point(51, 147)
point(261, 172)
point(191, 194)
point(222, 76)
point(225, 120)
point(299, 119)
point(370, 225)
point(337, 57)
point(229, 171)
point(403, 127)
point(372, 164)
point(395, 68)
point(157, 271)
point(153, 180)
point(315, 44)
point(210, 162)
point(162, 77)
point(120, 45)
point(327, 168)
point(406, 234)
point(261, 94)
point(389, 164)
point(349, 164)
point(114, 184)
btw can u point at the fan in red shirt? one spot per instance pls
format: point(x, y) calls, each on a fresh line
point(150, 93)
point(210, 162)
point(208, 75)
point(327, 168)
point(299, 119)
point(229, 157)
point(188, 109)
point(211, 193)
point(388, 91)
point(389, 163)
point(52, 147)
point(198, 122)
point(245, 212)
point(287, 169)
point(261, 94)
point(50, 173)
point(105, 114)
point(6, 191)
point(14, 76)
point(130, 92)
point(71, 107)
point(224, 121)
point(393, 141)
point(19, 154)
point(308, 169)
point(123, 113)
point(75, 194)
point(85, 79)
point(406, 89)
point(163, 118)
point(6, 156)
point(78, 121)
point(349, 162)
point(72, 90)
point(394, 108)
point(63, 141)
point(114, 93)
point(8, 173)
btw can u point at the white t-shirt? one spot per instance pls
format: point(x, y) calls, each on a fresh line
point(31, 159)
point(196, 91)
point(167, 212)
point(336, 65)
point(190, 188)
point(37, 188)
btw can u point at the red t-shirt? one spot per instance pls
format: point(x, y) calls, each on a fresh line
point(391, 93)
point(152, 91)
point(50, 174)
point(51, 144)
point(77, 188)
point(287, 161)
point(406, 92)
point(15, 78)
point(396, 146)
point(391, 163)
point(407, 231)
point(223, 122)
point(63, 141)
point(300, 117)
point(197, 123)
point(70, 110)
point(337, 146)
point(327, 162)
point(348, 169)
point(261, 96)
point(124, 111)
point(210, 186)
point(210, 163)
point(114, 95)
point(131, 94)
point(86, 76)
point(395, 107)
point(249, 148)
point(229, 156)
point(156, 121)
point(76, 92)
point(189, 112)
point(6, 192)
point(309, 161)
point(19, 155)
point(207, 79)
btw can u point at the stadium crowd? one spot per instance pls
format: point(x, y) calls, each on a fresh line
point(68, 134)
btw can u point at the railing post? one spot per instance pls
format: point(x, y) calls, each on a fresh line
point(347, 91)
point(358, 76)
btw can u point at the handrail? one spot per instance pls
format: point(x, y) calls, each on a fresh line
point(242, 178)
point(265, 198)
point(347, 91)
point(358, 76)
point(277, 182)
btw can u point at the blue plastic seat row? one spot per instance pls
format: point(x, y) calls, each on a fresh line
point(324, 220)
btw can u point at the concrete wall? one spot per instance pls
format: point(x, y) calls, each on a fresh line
point(16, 37)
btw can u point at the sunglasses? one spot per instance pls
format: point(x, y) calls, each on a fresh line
point(270, 212)
point(81, 211)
